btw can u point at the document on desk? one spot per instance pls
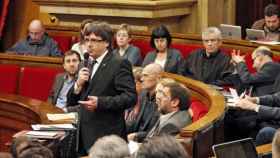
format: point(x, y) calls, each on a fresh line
point(43, 134)
point(53, 127)
point(266, 42)
point(60, 117)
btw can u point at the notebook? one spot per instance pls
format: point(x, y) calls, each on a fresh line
point(231, 31)
point(253, 34)
point(243, 148)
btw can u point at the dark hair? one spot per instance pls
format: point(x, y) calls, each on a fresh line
point(265, 52)
point(36, 152)
point(177, 91)
point(101, 29)
point(160, 32)
point(162, 146)
point(272, 9)
point(82, 26)
point(71, 52)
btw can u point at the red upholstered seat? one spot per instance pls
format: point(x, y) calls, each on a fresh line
point(9, 78)
point(186, 49)
point(36, 82)
point(64, 42)
point(199, 109)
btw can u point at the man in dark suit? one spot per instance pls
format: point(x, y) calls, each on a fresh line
point(64, 81)
point(105, 92)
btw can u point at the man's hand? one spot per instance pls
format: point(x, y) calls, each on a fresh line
point(131, 136)
point(90, 104)
point(251, 99)
point(246, 104)
point(236, 57)
point(83, 77)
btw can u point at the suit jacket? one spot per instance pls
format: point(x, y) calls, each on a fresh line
point(132, 54)
point(173, 61)
point(114, 85)
point(146, 118)
point(56, 88)
point(263, 80)
point(172, 125)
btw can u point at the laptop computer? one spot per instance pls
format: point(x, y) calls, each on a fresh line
point(243, 148)
point(253, 34)
point(231, 31)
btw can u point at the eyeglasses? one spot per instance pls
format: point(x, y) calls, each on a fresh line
point(94, 40)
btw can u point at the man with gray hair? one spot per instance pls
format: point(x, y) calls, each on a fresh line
point(210, 64)
point(111, 146)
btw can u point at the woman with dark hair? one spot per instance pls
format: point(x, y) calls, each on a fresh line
point(163, 55)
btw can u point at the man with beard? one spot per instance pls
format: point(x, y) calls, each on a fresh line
point(64, 81)
point(270, 24)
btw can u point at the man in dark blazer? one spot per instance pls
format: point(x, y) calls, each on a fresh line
point(105, 92)
point(64, 81)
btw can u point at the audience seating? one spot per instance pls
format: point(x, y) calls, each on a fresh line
point(33, 82)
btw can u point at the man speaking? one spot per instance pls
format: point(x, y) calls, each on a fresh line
point(103, 92)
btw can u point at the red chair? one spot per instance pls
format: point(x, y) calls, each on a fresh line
point(9, 78)
point(36, 82)
point(63, 42)
point(199, 109)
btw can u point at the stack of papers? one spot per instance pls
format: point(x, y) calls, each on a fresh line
point(44, 134)
point(62, 117)
point(52, 127)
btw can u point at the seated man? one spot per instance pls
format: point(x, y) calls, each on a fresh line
point(37, 42)
point(271, 23)
point(209, 65)
point(148, 114)
point(64, 81)
point(173, 102)
point(267, 70)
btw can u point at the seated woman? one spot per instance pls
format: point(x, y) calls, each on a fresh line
point(126, 50)
point(80, 47)
point(165, 56)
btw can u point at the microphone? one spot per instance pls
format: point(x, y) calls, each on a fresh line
point(86, 60)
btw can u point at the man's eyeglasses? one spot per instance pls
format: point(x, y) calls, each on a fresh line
point(94, 40)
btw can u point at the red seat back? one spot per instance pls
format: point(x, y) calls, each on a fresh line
point(199, 109)
point(63, 42)
point(36, 82)
point(9, 78)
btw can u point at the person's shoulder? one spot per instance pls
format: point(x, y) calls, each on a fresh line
point(258, 25)
point(174, 51)
point(134, 48)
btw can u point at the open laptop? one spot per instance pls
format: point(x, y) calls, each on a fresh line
point(231, 31)
point(243, 148)
point(253, 34)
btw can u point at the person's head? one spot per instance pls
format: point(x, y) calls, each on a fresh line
point(160, 38)
point(123, 35)
point(260, 56)
point(71, 61)
point(36, 152)
point(160, 85)
point(271, 17)
point(137, 73)
point(109, 147)
point(173, 97)
point(162, 147)
point(83, 25)
point(98, 38)
point(150, 76)
point(212, 39)
point(36, 30)
point(276, 145)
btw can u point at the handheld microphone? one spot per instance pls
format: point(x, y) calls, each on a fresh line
point(86, 60)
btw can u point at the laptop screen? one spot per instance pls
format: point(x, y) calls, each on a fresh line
point(243, 148)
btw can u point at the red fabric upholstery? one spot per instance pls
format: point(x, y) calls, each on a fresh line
point(186, 49)
point(199, 109)
point(9, 78)
point(143, 45)
point(36, 82)
point(64, 42)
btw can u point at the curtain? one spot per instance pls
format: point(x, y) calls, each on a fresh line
point(3, 14)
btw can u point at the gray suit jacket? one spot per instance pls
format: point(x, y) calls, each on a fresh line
point(172, 125)
point(174, 59)
point(58, 84)
point(132, 54)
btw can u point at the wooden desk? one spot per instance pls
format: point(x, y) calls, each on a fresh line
point(17, 113)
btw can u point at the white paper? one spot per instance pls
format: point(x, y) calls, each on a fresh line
point(64, 116)
point(52, 126)
point(42, 133)
point(133, 146)
point(267, 42)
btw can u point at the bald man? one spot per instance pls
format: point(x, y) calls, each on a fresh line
point(37, 42)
